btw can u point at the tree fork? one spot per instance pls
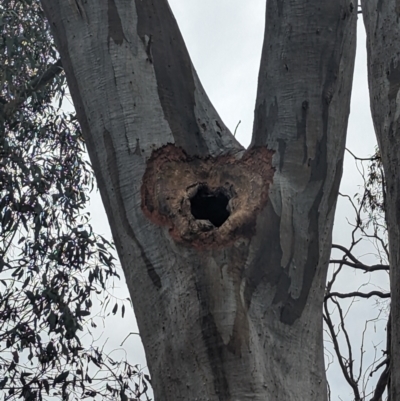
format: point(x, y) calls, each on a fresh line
point(225, 251)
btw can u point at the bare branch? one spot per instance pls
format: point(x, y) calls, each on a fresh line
point(347, 252)
point(385, 376)
point(358, 294)
point(361, 266)
point(383, 363)
point(381, 385)
point(347, 375)
point(362, 158)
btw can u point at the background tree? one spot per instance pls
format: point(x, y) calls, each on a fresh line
point(367, 373)
point(383, 33)
point(51, 262)
point(225, 251)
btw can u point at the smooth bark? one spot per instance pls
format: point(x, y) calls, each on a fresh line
point(382, 24)
point(231, 310)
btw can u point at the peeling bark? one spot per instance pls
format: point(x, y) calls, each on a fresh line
point(225, 251)
point(381, 19)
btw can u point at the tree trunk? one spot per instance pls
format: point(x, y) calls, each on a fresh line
point(382, 25)
point(225, 250)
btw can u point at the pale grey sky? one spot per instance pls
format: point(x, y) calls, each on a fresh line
point(224, 38)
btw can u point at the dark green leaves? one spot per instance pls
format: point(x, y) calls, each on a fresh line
point(61, 378)
point(51, 261)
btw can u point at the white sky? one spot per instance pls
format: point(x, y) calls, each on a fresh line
point(224, 38)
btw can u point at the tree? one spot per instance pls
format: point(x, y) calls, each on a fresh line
point(383, 33)
point(51, 261)
point(225, 250)
point(350, 348)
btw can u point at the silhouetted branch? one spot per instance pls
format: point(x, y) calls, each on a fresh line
point(347, 369)
point(361, 266)
point(358, 294)
point(365, 159)
point(384, 379)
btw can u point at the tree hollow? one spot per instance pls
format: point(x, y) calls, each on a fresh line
point(206, 202)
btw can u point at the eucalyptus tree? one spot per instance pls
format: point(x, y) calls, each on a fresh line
point(381, 20)
point(51, 262)
point(225, 250)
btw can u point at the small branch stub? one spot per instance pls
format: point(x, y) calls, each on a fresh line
point(206, 202)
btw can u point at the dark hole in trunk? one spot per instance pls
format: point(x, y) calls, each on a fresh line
point(210, 205)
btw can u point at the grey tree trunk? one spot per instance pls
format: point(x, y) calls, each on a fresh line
point(382, 24)
point(225, 250)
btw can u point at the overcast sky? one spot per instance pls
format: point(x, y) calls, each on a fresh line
point(224, 38)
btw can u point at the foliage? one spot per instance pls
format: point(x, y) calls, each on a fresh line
point(373, 199)
point(51, 262)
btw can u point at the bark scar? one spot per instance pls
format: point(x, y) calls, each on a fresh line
point(206, 202)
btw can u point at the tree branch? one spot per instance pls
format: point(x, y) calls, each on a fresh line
point(362, 158)
point(347, 252)
point(358, 294)
point(361, 266)
point(384, 379)
point(356, 263)
point(348, 375)
point(382, 383)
